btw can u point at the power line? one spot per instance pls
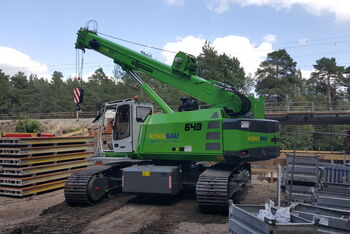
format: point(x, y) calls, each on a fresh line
point(309, 55)
point(278, 43)
point(294, 47)
point(137, 43)
point(308, 40)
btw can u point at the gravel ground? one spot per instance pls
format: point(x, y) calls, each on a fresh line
point(48, 213)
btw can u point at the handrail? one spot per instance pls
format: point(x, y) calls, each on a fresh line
point(270, 108)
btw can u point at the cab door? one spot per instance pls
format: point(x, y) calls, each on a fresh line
point(122, 129)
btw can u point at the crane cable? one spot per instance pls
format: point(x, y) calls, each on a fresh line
point(136, 43)
point(79, 65)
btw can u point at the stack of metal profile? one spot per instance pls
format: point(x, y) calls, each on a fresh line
point(33, 165)
point(329, 220)
point(334, 190)
point(334, 196)
point(243, 219)
point(301, 178)
point(335, 173)
point(304, 218)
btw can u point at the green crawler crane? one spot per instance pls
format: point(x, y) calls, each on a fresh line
point(169, 152)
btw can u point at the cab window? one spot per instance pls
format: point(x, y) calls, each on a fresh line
point(121, 127)
point(142, 112)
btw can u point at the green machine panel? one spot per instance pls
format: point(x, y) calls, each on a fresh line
point(191, 135)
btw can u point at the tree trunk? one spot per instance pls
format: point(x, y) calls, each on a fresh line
point(329, 97)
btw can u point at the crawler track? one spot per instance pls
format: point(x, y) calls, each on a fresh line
point(76, 190)
point(212, 188)
point(218, 184)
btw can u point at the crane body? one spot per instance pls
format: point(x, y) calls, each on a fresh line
point(166, 153)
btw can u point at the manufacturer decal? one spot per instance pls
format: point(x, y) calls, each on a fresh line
point(164, 136)
point(257, 138)
point(139, 65)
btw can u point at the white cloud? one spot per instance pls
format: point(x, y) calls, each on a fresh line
point(176, 2)
point(270, 38)
point(306, 74)
point(249, 55)
point(219, 6)
point(190, 44)
point(13, 61)
point(340, 8)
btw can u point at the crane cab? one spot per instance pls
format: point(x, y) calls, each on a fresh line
point(123, 119)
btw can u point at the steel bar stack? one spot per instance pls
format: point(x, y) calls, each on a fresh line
point(32, 165)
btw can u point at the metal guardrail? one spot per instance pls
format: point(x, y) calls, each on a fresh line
point(270, 107)
point(311, 106)
point(52, 115)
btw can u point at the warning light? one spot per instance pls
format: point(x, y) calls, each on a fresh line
point(244, 153)
point(136, 98)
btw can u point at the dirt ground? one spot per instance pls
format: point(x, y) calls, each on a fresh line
point(122, 213)
point(52, 126)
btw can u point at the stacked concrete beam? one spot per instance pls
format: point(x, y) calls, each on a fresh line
point(33, 165)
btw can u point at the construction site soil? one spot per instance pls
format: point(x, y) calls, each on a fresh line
point(122, 213)
point(53, 126)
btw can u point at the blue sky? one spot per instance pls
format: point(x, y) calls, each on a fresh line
point(38, 36)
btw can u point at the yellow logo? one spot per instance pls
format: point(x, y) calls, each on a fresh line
point(157, 136)
point(257, 138)
point(253, 138)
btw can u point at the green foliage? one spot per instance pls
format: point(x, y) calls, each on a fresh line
point(277, 77)
point(223, 68)
point(313, 137)
point(28, 125)
point(326, 81)
point(291, 139)
point(5, 102)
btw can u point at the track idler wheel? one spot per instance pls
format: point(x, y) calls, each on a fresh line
point(97, 188)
